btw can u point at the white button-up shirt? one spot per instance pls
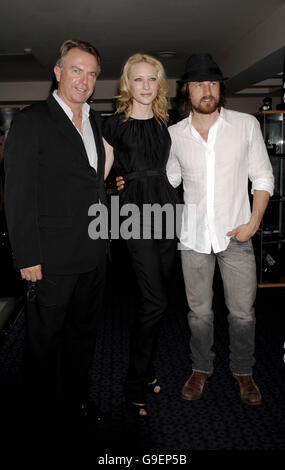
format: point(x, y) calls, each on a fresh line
point(87, 132)
point(215, 176)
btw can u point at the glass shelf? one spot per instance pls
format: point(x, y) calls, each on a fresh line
point(269, 241)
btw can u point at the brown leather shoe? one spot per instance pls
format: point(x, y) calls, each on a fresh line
point(249, 391)
point(194, 386)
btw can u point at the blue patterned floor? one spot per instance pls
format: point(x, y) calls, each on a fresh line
point(219, 421)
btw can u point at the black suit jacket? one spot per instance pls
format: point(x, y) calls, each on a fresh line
point(49, 187)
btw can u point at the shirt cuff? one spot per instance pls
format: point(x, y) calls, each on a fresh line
point(262, 184)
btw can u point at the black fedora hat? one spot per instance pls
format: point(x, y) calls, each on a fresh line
point(201, 68)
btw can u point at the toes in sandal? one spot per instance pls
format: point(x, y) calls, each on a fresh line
point(137, 409)
point(154, 387)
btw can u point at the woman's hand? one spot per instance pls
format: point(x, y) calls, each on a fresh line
point(120, 183)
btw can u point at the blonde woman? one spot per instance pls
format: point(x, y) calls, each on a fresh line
point(136, 139)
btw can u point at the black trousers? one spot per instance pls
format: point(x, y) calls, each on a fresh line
point(153, 262)
point(61, 337)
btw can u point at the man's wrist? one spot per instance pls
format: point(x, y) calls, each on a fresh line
point(253, 226)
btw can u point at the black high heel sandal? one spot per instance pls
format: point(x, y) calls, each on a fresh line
point(151, 386)
point(135, 408)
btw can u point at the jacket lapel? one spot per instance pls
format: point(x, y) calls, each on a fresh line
point(66, 127)
point(98, 141)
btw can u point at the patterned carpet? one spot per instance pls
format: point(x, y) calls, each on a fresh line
point(218, 422)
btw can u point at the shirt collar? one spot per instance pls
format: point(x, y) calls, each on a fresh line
point(85, 107)
point(222, 116)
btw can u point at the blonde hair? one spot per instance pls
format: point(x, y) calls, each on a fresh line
point(125, 99)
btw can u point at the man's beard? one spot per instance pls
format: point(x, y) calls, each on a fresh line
point(207, 108)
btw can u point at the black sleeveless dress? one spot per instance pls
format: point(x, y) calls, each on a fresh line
point(141, 150)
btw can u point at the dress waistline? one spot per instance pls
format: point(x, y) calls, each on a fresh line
point(142, 173)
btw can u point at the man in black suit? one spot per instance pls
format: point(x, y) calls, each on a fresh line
point(54, 164)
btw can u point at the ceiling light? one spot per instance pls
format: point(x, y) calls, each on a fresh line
point(166, 54)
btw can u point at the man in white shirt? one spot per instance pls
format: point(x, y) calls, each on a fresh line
point(215, 151)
